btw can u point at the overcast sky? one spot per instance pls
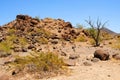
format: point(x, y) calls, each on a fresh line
point(75, 11)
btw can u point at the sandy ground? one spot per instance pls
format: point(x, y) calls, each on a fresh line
point(107, 70)
point(101, 70)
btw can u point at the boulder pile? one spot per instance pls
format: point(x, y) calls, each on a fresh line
point(26, 32)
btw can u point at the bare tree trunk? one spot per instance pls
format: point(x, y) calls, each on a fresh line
point(97, 29)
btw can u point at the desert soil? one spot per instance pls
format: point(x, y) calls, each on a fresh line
point(101, 70)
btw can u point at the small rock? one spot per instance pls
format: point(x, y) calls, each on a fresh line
point(31, 46)
point(24, 49)
point(110, 42)
point(109, 75)
point(95, 59)
point(34, 21)
point(16, 71)
point(54, 41)
point(54, 36)
point(87, 63)
point(16, 41)
point(2, 39)
point(89, 58)
point(69, 62)
point(17, 49)
point(4, 54)
point(54, 47)
point(39, 49)
point(73, 56)
point(9, 60)
point(116, 56)
point(63, 54)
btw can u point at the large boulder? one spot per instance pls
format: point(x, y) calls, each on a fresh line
point(23, 17)
point(68, 24)
point(101, 54)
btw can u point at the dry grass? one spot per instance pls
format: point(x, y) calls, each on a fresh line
point(80, 39)
point(40, 63)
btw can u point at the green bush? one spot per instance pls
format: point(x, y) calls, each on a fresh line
point(80, 39)
point(43, 40)
point(39, 62)
point(92, 42)
point(5, 46)
point(115, 43)
point(106, 36)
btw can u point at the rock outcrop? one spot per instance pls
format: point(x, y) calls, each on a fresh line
point(25, 31)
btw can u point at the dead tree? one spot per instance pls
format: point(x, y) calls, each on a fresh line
point(95, 30)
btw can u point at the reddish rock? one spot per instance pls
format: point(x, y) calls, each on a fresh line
point(101, 54)
point(116, 56)
point(31, 46)
point(73, 56)
point(23, 17)
point(68, 24)
point(87, 63)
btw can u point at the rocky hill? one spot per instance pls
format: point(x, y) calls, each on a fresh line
point(34, 49)
point(109, 31)
point(26, 36)
point(33, 32)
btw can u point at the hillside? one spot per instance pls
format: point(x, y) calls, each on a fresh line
point(52, 49)
point(26, 33)
point(109, 31)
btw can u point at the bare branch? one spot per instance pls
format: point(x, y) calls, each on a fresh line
point(97, 29)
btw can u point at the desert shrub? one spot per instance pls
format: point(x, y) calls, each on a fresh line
point(43, 40)
point(39, 62)
point(106, 36)
point(79, 26)
point(4, 54)
point(115, 44)
point(37, 17)
point(7, 43)
point(92, 42)
point(23, 41)
point(80, 39)
point(11, 37)
point(11, 31)
point(5, 46)
point(43, 32)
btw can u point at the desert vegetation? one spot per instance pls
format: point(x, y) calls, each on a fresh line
point(44, 64)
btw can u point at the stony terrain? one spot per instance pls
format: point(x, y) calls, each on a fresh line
point(26, 34)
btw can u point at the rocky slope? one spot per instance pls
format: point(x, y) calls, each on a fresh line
point(26, 35)
point(34, 31)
